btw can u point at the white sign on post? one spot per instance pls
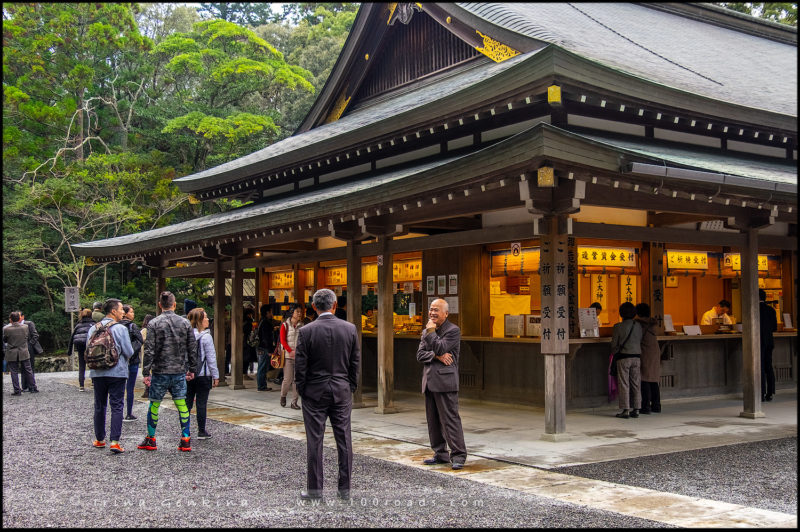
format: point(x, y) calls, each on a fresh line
point(72, 299)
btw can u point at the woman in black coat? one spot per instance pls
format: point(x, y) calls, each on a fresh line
point(78, 342)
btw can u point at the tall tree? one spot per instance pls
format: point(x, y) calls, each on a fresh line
point(224, 87)
point(242, 13)
point(782, 12)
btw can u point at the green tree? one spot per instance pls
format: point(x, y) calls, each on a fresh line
point(782, 12)
point(223, 88)
point(242, 13)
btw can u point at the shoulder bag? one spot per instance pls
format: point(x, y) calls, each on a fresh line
point(612, 369)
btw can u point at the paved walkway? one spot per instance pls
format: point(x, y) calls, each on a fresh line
point(506, 450)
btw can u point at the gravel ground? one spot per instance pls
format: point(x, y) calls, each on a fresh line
point(760, 474)
point(53, 477)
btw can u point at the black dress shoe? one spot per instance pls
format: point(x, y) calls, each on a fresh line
point(16, 393)
point(645, 412)
point(458, 465)
point(634, 413)
point(344, 494)
point(434, 461)
point(768, 398)
point(311, 494)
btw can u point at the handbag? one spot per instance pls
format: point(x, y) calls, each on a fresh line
point(276, 359)
point(612, 369)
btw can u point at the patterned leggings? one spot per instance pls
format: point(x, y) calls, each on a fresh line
point(183, 414)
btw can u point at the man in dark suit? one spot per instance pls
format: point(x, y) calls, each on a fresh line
point(326, 374)
point(34, 348)
point(439, 350)
point(768, 324)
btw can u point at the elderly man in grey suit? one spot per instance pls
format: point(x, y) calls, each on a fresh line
point(439, 350)
point(15, 337)
point(326, 374)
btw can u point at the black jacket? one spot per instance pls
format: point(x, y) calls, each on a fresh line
point(136, 340)
point(768, 324)
point(78, 338)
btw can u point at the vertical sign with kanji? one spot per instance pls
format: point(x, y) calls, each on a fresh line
point(72, 299)
point(555, 300)
point(600, 289)
point(628, 292)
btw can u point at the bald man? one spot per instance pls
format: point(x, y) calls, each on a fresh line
point(438, 351)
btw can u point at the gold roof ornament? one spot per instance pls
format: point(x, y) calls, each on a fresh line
point(495, 50)
point(338, 107)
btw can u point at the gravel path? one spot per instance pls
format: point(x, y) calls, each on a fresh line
point(759, 474)
point(53, 477)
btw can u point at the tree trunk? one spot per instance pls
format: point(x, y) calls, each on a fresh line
point(79, 139)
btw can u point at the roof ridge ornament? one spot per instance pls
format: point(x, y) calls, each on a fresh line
point(402, 12)
point(495, 50)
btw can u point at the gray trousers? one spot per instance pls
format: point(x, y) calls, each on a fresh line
point(444, 426)
point(629, 381)
point(27, 373)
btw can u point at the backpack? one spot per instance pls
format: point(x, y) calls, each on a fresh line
point(253, 339)
point(102, 353)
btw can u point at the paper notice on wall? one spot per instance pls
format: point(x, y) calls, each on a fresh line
point(441, 287)
point(452, 302)
point(668, 326)
point(787, 320)
point(452, 285)
point(431, 285)
point(412, 309)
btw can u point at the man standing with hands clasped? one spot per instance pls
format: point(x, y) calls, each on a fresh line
point(439, 350)
point(326, 374)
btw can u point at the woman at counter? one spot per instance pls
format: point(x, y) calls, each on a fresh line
point(626, 342)
point(650, 360)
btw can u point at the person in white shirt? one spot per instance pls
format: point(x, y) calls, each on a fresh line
point(720, 310)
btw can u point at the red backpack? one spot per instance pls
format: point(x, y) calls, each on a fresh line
point(102, 353)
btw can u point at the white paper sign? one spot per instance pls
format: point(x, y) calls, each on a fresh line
point(408, 287)
point(587, 318)
point(412, 309)
point(692, 330)
point(668, 326)
point(431, 285)
point(441, 284)
point(452, 302)
point(514, 325)
point(452, 284)
point(787, 320)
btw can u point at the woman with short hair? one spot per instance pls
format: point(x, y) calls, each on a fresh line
point(626, 343)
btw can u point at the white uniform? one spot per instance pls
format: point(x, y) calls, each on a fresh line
point(708, 318)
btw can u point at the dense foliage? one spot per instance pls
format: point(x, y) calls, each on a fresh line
point(105, 104)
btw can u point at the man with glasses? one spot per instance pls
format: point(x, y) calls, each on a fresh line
point(438, 350)
point(109, 384)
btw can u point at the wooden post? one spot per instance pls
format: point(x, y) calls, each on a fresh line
point(555, 327)
point(237, 336)
point(354, 308)
point(751, 332)
point(219, 319)
point(161, 285)
point(385, 329)
point(257, 295)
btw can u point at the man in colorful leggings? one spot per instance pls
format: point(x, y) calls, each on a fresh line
point(170, 353)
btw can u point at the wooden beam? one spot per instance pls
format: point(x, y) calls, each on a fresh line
point(354, 311)
point(662, 219)
point(656, 234)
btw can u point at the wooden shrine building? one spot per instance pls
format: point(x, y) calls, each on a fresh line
point(523, 161)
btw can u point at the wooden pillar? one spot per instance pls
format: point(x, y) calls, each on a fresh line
point(555, 326)
point(385, 328)
point(354, 309)
point(219, 319)
point(257, 299)
point(161, 285)
point(237, 336)
point(751, 335)
point(788, 286)
point(299, 288)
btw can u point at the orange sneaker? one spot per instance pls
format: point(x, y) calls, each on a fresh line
point(98, 443)
point(116, 448)
point(148, 443)
point(185, 445)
